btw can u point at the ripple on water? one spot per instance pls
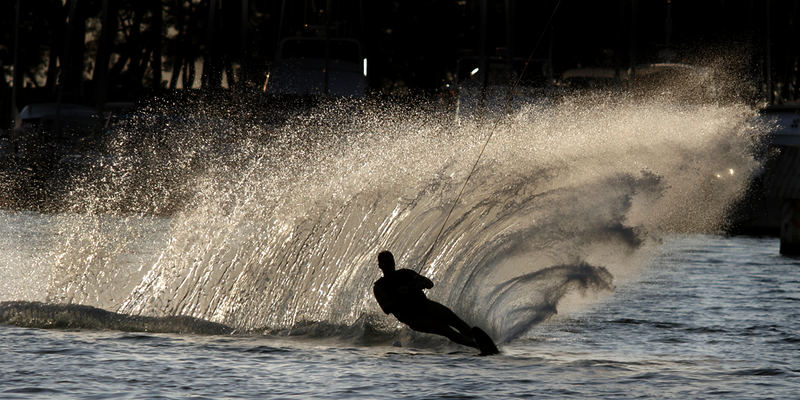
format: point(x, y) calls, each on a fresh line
point(759, 372)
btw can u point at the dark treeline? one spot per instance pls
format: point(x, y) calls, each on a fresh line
point(99, 51)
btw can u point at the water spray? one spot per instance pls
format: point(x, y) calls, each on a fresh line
point(492, 130)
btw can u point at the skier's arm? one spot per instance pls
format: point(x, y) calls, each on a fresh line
point(423, 282)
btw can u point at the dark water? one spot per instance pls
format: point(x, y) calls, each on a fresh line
point(710, 317)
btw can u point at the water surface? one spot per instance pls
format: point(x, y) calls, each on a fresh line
point(709, 317)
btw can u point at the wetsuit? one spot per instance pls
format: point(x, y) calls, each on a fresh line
point(400, 293)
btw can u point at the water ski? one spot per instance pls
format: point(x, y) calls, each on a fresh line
point(485, 343)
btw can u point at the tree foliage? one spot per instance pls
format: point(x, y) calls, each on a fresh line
point(94, 51)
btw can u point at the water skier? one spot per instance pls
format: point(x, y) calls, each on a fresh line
point(399, 292)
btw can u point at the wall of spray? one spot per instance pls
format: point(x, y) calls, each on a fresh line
point(278, 226)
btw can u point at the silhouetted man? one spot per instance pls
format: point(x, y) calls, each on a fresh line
point(399, 292)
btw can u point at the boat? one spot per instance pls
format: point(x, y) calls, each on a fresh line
point(492, 88)
point(58, 128)
point(318, 66)
point(774, 198)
